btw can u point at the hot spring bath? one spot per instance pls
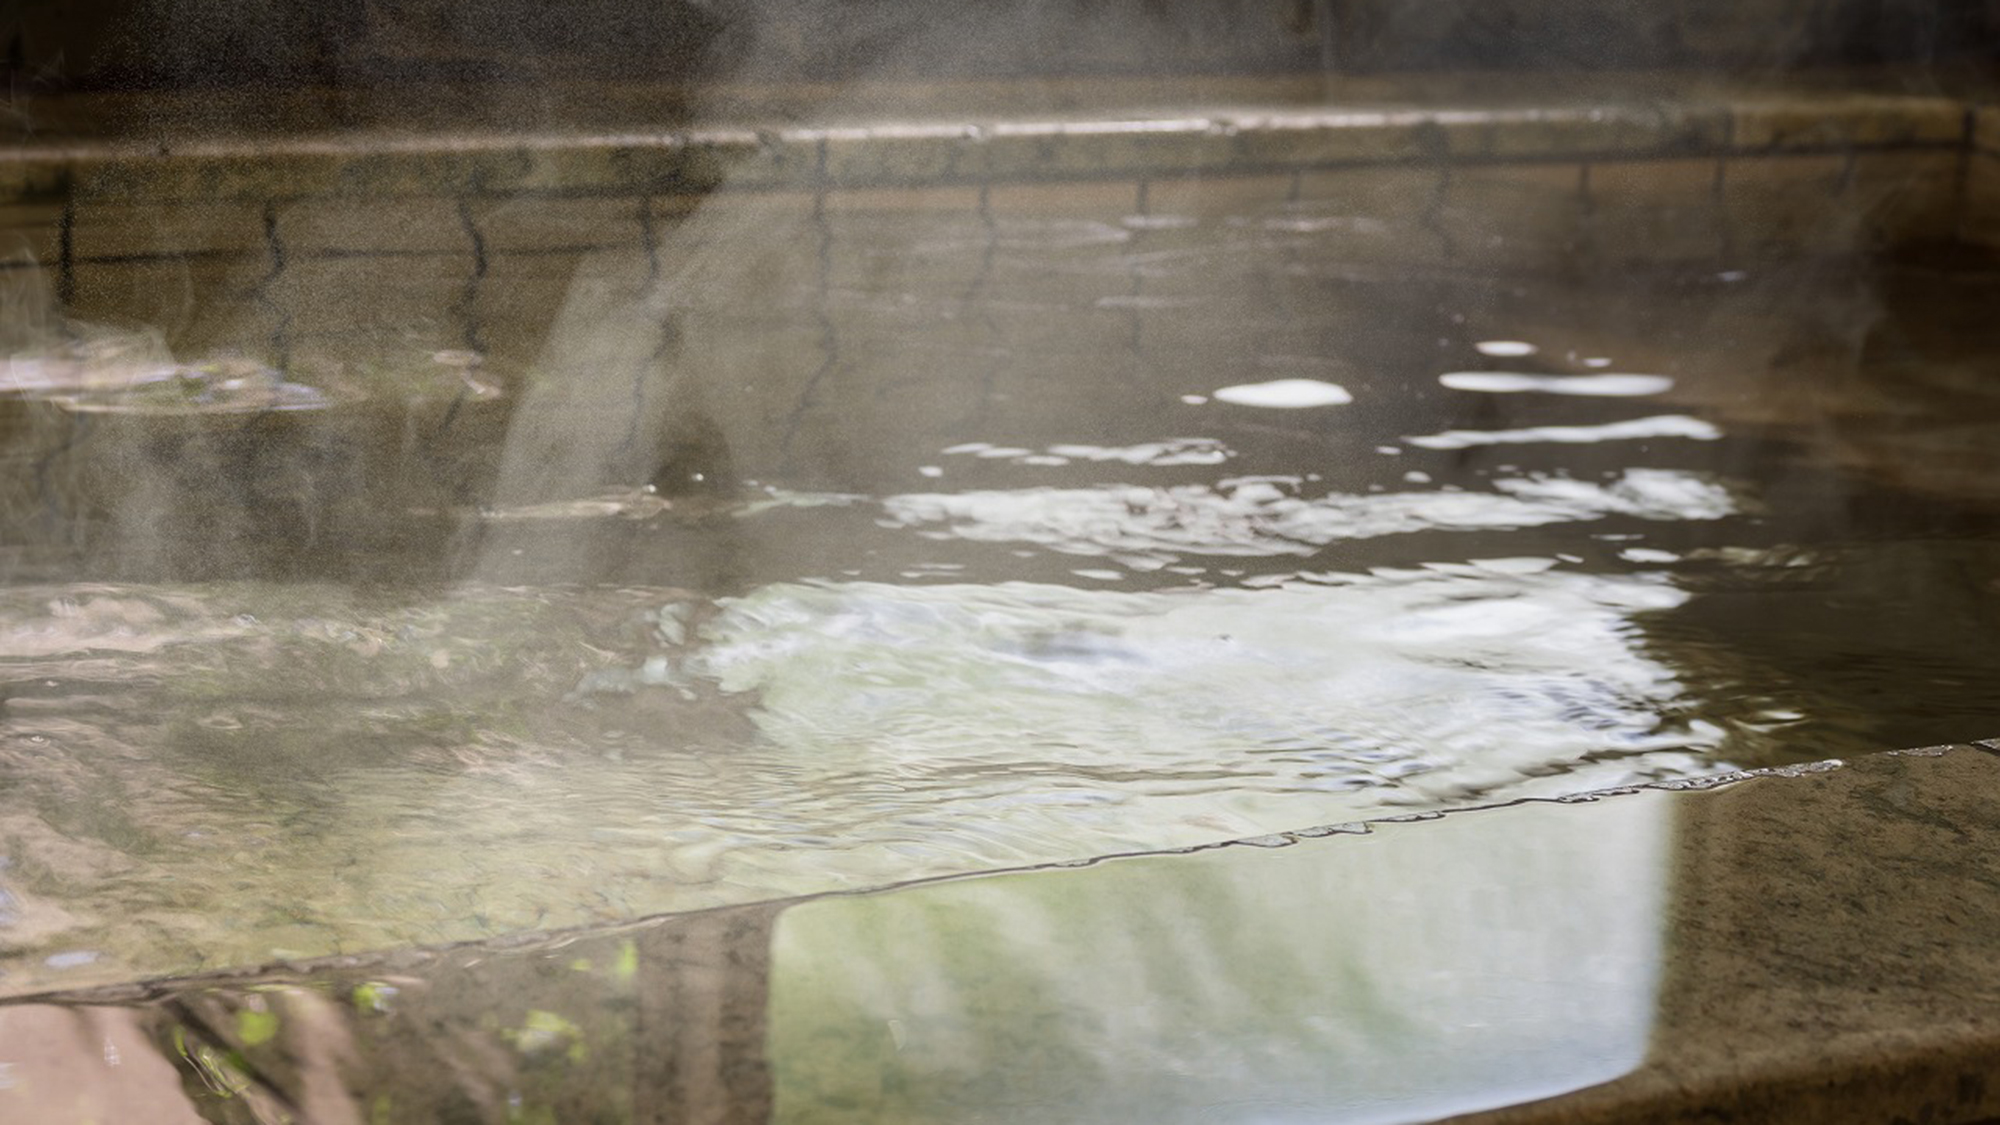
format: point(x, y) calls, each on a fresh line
point(407, 546)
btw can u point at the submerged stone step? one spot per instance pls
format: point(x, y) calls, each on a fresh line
point(1810, 944)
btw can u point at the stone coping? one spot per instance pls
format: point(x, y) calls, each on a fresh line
point(1053, 142)
point(1810, 944)
point(1986, 129)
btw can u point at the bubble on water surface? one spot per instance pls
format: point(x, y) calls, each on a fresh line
point(1269, 516)
point(1168, 452)
point(1634, 429)
point(1609, 385)
point(1285, 394)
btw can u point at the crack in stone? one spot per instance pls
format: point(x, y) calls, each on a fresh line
point(281, 330)
point(1432, 218)
point(653, 302)
point(1717, 192)
point(467, 308)
point(649, 235)
point(975, 298)
point(1134, 316)
point(66, 254)
point(829, 340)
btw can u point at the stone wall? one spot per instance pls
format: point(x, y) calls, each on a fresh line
point(1982, 182)
point(813, 273)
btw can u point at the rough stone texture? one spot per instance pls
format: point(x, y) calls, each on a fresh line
point(1829, 948)
point(1986, 129)
point(1653, 210)
point(216, 274)
point(241, 241)
point(1982, 200)
point(1832, 945)
point(971, 149)
point(1845, 120)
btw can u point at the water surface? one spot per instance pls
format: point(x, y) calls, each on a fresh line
point(1133, 535)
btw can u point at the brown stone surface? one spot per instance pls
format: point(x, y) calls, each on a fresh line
point(1981, 225)
point(972, 147)
point(1788, 204)
point(1838, 121)
point(1907, 198)
point(1986, 128)
point(1827, 934)
point(1655, 210)
point(1831, 955)
point(1526, 213)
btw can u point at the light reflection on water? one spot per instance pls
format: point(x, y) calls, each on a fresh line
point(275, 771)
point(1259, 516)
point(1082, 614)
point(1400, 688)
point(1425, 971)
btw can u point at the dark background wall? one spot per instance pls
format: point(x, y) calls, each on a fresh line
point(52, 44)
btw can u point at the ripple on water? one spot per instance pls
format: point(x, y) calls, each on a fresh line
point(1268, 516)
point(300, 771)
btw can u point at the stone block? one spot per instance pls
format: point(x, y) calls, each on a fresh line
point(1216, 196)
point(341, 225)
point(927, 202)
point(1812, 120)
point(1981, 223)
point(32, 231)
point(196, 304)
point(898, 154)
point(1514, 215)
point(541, 224)
point(372, 293)
point(1789, 204)
point(1654, 211)
point(1369, 215)
point(1986, 129)
point(153, 230)
point(1540, 131)
point(1907, 197)
point(1108, 201)
point(1313, 138)
point(1029, 150)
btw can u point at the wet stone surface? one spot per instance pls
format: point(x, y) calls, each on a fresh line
point(799, 549)
point(1804, 945)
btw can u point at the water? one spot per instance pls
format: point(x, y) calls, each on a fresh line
point(1128, 537)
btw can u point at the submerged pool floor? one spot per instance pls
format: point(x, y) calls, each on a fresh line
point(1139, 535)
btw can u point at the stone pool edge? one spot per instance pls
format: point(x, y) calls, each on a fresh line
point(528, 940)
point(1827, 954)
point(974, 149)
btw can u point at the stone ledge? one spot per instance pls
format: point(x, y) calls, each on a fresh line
point(1820, 938)
point(1986, 129)
point(969, 150)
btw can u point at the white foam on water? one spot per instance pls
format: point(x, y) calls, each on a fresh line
point(1511, 349)
point(1609, 385)
point(1285, 394)
point(1634, 429)
point(1264, 517)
